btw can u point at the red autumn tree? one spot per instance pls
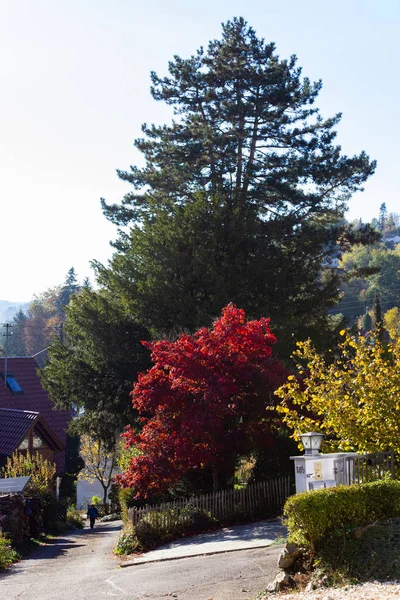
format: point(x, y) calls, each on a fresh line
point(203, 403)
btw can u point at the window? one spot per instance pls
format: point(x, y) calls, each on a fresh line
point(24, 445)
point(13, 384)
point(32, 442)
point(37, 442)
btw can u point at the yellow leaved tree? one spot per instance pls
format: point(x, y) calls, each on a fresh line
point(100, 462)
point(392, 322)
point(351, 395)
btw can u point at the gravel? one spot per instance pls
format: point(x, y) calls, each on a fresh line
point(366, 591)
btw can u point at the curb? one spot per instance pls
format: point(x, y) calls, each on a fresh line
point(145, 561)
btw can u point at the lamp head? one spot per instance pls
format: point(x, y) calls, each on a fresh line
point(311, 442)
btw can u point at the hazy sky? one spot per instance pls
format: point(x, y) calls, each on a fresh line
point(74, 90)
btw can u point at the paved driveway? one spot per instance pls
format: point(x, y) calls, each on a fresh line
point(81, 566)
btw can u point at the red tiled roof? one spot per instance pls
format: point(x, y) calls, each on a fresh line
point(34, 398)
point(14, 425)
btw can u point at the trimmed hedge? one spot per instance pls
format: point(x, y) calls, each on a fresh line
point(314, 516)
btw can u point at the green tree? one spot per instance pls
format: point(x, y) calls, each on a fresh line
point(377, 310)
point(366, 322)
point(382, 216)
point(93, 371)
point(67, 290)
point(16, 342)
point(370, 270)
point(240, 198)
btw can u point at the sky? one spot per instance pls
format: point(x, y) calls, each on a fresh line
point(74, 91)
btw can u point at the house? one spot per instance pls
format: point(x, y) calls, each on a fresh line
point(26, 431)
point(28, 419)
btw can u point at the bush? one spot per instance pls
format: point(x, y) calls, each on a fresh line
point(54, 513)
point(373, 553)
point(126, 500)
point(7, 553)
point(74, 518)
point(162, 526)
point(127, 543)
point(58, 527)
point(113, 497)
point(40, 470)
point(196, 520)
point(312, 517)
point(149, 536)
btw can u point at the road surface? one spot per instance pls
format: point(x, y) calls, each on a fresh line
point(81, 566)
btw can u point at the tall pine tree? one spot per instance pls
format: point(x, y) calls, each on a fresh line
point(240, 198)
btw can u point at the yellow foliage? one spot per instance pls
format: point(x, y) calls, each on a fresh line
point(41, 471)
point(392, 322)
point(353, 399)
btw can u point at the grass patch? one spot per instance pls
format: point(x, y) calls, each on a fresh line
point(279, 540)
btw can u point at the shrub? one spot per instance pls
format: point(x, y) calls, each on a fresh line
point(312, 517)
point(373, 553)
point(74, 518)
point(126, 500)
point(41, 471)
point(54, 513)
point(127, 543)
point(149, 535)
point(113, 497)
point(58, 527)
point(196, 520)
point(161, 526)
point(7, 553)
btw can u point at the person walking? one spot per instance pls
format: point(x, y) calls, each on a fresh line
point(92, 514)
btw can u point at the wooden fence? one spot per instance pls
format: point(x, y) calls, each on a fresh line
point(261, 500)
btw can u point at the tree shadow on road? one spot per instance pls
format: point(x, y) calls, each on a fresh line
point(98, 528)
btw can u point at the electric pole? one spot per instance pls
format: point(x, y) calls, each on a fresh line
point(6, 334)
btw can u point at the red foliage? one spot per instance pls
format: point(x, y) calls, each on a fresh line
point(203, 402)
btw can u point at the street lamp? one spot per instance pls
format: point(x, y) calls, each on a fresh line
point(311, 442)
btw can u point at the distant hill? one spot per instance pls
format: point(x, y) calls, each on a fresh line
point(9, 309)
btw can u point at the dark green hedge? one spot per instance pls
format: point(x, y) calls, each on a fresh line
point(313, 516)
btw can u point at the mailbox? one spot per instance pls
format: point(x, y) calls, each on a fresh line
point(314, 471)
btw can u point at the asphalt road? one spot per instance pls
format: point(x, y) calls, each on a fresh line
point(81, 566)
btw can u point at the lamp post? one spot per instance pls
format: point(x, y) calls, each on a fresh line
point(311, 442)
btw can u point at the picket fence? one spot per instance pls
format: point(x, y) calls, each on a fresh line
point(255, 500)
